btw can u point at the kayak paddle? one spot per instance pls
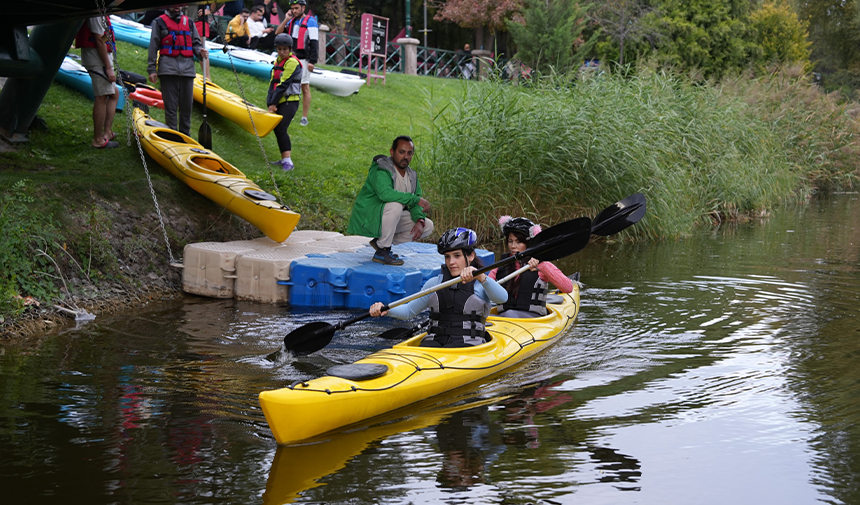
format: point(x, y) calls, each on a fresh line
point(204, 136)
point(551, 244)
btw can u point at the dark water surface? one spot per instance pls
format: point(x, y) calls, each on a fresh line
point(719, 369)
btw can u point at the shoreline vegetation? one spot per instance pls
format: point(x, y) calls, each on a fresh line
point(78, 226)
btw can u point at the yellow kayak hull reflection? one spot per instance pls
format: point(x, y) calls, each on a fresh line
point(232, 107)
point(208, 174)
point(414, 373)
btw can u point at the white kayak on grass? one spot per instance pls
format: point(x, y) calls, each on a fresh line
point(336, 83)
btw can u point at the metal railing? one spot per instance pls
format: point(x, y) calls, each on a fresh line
point(343, 51)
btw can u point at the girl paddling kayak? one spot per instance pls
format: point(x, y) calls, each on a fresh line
point(527, 291)
point(458, 313)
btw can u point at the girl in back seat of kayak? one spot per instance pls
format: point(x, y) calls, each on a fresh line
point(457, 313)
point(527, 291)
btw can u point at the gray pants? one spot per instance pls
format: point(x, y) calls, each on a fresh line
point(177, 91)
point(397, 225)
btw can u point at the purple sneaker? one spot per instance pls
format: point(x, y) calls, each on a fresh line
point(286, 165)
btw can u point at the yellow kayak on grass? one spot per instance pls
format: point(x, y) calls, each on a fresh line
point(409, 374)
point(232, 107)
point(208, 174)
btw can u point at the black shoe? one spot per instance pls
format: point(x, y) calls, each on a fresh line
point(386, 257)
point(373, 244)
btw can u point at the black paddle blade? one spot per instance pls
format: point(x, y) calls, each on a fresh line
point(617, 217)
point(204, 136)
point(309, 338)
point(560, 240)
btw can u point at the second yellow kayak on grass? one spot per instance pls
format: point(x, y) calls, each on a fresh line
point(232, 107)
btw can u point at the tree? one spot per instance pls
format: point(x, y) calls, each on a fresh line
point(622, 20)
point(550, 36)
point(780, 34)
point(711, 36)
point(834, 29)
point(339, 14)
point(478, 14)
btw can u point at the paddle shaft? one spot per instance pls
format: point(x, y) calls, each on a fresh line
point(203, 63)
point(596, 229)
point(455, 280)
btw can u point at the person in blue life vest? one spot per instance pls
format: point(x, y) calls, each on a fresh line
point(306, 36)
point(283, 95)
point(96, 41)
point(172, 48)
point(458, 313)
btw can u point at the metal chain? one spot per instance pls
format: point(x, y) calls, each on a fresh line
point(131, 125)
point(250, 116)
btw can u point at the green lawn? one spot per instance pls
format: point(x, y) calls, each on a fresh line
point(332, 154)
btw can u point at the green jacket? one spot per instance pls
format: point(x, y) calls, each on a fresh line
point(378, 189)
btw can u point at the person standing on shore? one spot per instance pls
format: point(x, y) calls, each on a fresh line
point(95, 39)
point(283, 95)
point(306, 39)
point(172, 48)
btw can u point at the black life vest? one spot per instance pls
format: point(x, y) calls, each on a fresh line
point(457, 315)
point(526, 291)
point(299, 39)
point(177, 42)
point(86, 38)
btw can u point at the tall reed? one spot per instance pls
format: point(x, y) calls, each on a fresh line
point(561, 147)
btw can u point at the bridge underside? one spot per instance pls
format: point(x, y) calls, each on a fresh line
point(31, 62)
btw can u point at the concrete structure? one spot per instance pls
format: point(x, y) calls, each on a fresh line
point(410, 55)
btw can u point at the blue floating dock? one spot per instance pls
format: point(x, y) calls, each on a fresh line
point(353, 280)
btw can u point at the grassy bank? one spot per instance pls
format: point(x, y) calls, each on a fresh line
point(551, 150)
point(91, 213)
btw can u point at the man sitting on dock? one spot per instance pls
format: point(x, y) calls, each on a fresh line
point(389, 206)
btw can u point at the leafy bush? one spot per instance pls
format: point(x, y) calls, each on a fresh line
point(780, 34)
point(26, 238)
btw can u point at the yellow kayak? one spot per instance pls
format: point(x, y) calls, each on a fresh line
point(409, 374)
point(232, 107)
point(208, 174)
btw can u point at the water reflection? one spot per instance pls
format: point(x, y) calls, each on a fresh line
point(720, 368)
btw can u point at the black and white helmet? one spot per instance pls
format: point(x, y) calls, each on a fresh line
point(457, 238)
point(282, 39)
point(519, 224)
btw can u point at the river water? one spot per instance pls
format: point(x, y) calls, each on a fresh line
point(721, 368)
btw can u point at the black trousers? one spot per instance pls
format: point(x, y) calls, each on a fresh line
point(178, 95)
point(288, 110)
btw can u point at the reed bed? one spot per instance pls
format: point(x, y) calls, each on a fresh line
point(565, 147)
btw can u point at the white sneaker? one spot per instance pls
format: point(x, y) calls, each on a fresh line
point(304, 121)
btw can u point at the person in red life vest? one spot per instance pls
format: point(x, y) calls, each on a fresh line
point(172, 48)
point(527, 291)
point(283, 95)
point(306, 39)
point(95, 39)
point(209, 30)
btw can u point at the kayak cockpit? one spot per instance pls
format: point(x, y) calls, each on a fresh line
point(214, 165)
